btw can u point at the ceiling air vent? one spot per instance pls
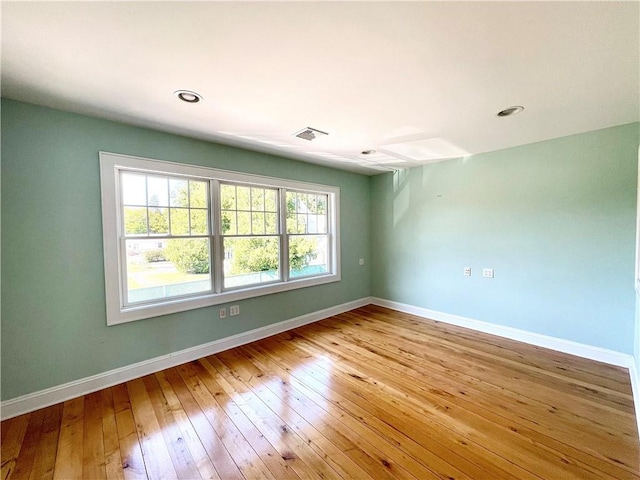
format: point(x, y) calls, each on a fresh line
point(309, 133)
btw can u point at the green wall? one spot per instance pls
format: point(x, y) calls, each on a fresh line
point(53, 308)
point(555, 220)
point(636, 340)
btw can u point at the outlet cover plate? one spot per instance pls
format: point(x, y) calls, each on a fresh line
point(487, 272)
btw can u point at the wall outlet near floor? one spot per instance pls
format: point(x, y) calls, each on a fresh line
point(234, 310)
point(487, 272)
point(223, 313)
point(467, 271)
point(361, 261)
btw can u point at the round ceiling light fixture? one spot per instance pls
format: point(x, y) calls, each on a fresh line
point(507, 112)
point(188, 96)
point(368, 152)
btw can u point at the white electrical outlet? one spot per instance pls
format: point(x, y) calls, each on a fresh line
point(234, 310)
point(467, 271)
point(223, 313)
point(361, 261)
point(487, 272)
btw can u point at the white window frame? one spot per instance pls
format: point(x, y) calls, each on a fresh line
point(117, 312)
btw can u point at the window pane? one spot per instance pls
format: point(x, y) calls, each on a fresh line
point(301, 202)
point(167, 268)
point(257, 223)
point(135, 221)
point(158, 192)
point(307, 255)
point(158, 221)
point(197, 194)
point(301, 221)
point(312, 203)
point(250, 261)
point(257, 199)
point(228, 197)
point(243, 198)
point(199, 225)
point(229, 223)
point(179, 192)
point(270, 200)
point(271, 220)
point(312, 224)
point(134, 189)
point(244, 223)
point(322, 223)
point(322, 204)
point(291, 202)
point(291, 222)
point(179, 221)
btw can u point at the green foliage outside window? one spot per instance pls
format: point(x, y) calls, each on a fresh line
point(302, 251)
point(189, 255)
point(135, 220)
point(257, 254)
point(253, 255)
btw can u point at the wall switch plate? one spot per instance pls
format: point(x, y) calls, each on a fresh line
point(487, 272)
point(223, 313)
point(234, 310)
point(467, 271)
point(361, 261)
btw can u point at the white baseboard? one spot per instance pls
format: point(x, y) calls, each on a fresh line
point(50, 396)
point(566, 346)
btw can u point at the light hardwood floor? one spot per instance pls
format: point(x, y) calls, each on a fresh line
point(369, 394)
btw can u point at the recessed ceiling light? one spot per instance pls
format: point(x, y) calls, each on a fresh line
point(188, 96)
point(507, 112)
point(368, 152)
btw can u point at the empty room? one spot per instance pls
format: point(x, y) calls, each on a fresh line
point(320, 240)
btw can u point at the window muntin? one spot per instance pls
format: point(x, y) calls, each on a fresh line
point(175, 212)
point(158, 207)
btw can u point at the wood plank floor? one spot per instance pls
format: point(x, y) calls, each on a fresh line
point(369, 394)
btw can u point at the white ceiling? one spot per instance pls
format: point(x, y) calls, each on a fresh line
point(416, 81)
